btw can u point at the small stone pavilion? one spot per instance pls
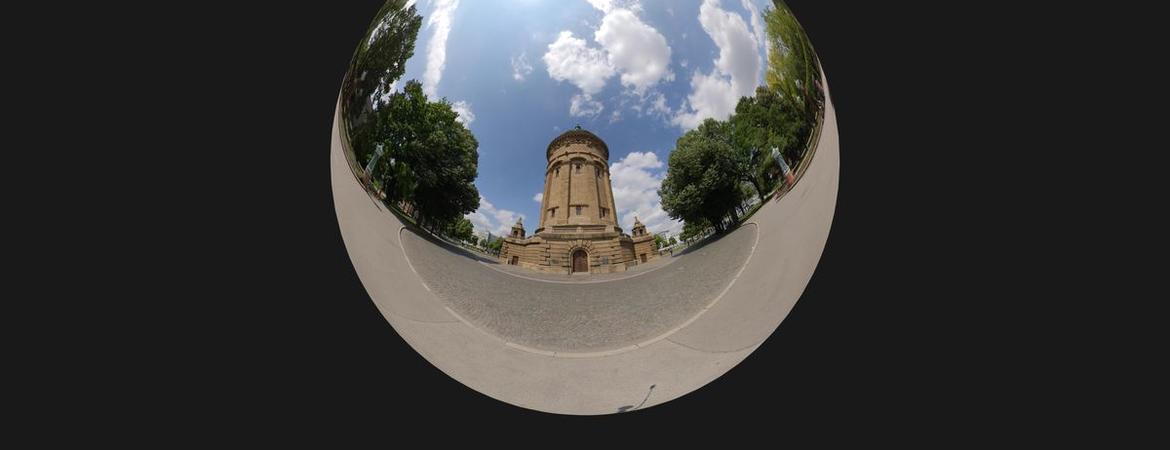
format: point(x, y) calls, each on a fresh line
point(578, 230)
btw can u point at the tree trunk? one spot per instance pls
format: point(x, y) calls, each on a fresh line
point(756, 184)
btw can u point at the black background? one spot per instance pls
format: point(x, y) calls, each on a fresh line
point(249, 318)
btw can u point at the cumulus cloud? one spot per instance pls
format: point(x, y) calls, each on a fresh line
point(490, 219)
point(634, 49)
point(757, 19)
point(582, 105)
point(636, 179)
point(520, 67)
point(570, 59)
point(759, 30)
point(736, 71)
point(439, 20)
point(539, 197)
point(466, 116)
point(602, 5)
point(628, 47)
point(606, 6)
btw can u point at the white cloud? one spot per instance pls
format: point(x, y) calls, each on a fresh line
point(758, 29)
point(440, 21)
point(520, 67)
point(570, 59)
point(636, 50)
point(606, 6)
point(658, 106)
point(539, 197)
point(466, 116)
point(584, 106)
point(602, 5)
point(628, 47)
point(635, 192)
point(490, 219)
point(736, 72)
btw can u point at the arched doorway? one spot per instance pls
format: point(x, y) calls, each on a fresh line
point(580, 261)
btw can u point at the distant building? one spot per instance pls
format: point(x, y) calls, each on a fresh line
point(578, 230)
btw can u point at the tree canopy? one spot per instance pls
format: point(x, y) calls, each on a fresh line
point(460, 229)
point(413, 148)
point(793, 69)
point(378, 62)
point(495, 244)
point(709, 163)
point(761, 123)
point(693, 229)
point(429, 157)
point(702, 177)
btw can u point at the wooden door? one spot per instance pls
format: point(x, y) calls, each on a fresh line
point(580, 262)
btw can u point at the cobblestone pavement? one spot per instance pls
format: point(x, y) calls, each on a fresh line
point(579, 316)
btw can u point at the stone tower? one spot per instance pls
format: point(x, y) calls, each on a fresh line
point(578, 231)
point(577, 189)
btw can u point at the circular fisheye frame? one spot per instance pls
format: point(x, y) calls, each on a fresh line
point(585, 206)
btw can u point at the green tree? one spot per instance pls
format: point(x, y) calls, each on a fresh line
point(761, 123)
point(430, 159)
point(794, 74)
point(702, 177)
point(495, 244)
point(460, 229)
point(793, 69)
point(694, 229)
point(672, 241)
point(378, 62)
point(659, 241)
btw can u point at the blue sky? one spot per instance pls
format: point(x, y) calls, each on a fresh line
point(636, 73)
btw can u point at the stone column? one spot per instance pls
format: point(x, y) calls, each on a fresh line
point(544, 200)
point(568, 190)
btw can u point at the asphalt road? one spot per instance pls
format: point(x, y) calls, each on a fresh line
point(579, 316)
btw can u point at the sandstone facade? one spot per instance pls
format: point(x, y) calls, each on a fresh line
point(578, 230)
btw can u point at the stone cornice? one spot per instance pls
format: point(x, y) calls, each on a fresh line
point(577, 136)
